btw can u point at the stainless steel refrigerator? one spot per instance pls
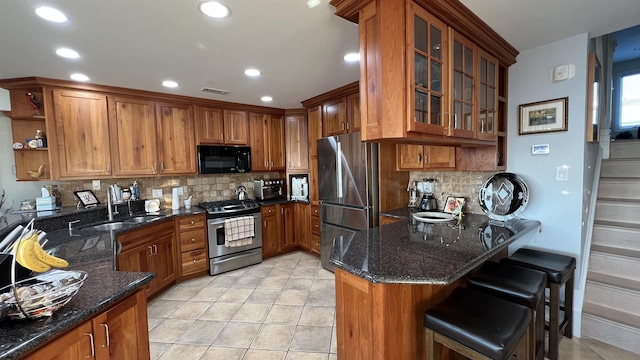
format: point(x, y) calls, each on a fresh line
point(348, 190)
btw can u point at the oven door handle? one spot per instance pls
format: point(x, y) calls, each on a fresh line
point(216, 222)
point(229, 258)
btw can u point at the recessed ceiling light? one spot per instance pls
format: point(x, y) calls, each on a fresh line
point(266, 98)
point(67, 53)
point(170, 84)
point(352, 57)
point(252, 72)
point(51, 14)
point(79, 77)
point(214, 9)
point(313, 3)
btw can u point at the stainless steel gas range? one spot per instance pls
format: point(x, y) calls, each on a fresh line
point(221, 257)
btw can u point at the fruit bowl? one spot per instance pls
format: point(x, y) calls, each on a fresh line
point(40, 295)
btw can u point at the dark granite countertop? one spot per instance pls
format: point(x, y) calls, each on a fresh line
point(412, 251)
point(85, 249)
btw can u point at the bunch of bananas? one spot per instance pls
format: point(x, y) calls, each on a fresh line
point(30, 254)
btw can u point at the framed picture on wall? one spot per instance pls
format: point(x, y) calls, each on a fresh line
point(544, 116)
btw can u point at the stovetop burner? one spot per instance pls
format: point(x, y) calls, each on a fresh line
point(229, 206)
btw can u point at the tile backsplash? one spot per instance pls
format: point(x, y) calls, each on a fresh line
point(457, 183)
point(201, 187)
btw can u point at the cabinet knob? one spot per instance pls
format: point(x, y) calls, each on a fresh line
point(269, 210)
point(195, 261)
point(192, 222)
point(193, 240)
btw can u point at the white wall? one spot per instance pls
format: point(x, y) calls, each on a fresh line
point(557, 205)
point(15, 191)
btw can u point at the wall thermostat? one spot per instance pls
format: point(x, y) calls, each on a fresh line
point(563, 72)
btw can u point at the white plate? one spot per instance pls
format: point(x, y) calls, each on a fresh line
point(432, 216)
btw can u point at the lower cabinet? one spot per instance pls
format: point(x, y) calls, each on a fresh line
point(302, 229)
point(286, 227)
point(121, 333)
point(315, 229)
point(191, 232)
point(151, 249)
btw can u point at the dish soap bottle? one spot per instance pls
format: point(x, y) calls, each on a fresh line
point(136, 190)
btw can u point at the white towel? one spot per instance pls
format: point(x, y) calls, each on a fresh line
point(239, 231)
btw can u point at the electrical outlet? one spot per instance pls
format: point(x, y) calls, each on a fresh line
point(180, 191)
point(96, 184)
point(156, 193)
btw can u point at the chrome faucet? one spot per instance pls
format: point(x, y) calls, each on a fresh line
point(109, 209)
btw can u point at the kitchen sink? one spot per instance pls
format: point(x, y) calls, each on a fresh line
point(110, 226)
point(142, 219)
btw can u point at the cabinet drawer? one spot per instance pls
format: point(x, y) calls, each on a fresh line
point(191, 222)
point(315, 243)
point(315, 210)
point(315, 225)
point(192, 240)
point(268, 210)
point(194, 261)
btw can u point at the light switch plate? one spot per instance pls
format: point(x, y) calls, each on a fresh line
point(96, 185)
point(156, 193)
point(180, 191)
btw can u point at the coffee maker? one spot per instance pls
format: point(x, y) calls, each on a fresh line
point(428, 201)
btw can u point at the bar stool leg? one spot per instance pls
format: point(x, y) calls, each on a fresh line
point(568, 307)
point(554, 314)
point(432, 347)
point(539, 343)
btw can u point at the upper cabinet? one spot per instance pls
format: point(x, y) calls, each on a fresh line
point(341, 115)
point(217, 126)
point(82, 133)
point(176, 150)
point(267, 142)
point(297, 143)
point(432, 77)
point(134, 147)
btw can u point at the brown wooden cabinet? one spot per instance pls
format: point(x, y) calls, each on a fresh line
point(270, 230)
point(132, 124)
point(266, 136)
point(82, 134)
point(384, 220)
point(297, 143)
point(438, 101)
point(191, 232)
point(302, 219)
point(217, 126)
point(121, 333)
point(176, 138)
point(419, 157)
point(152, 248)
point(287, 227)
point(315, 228)
point(353, 113)
point(334, 117)
point(315, 133)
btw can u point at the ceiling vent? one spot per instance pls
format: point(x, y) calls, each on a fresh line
point(215, 91)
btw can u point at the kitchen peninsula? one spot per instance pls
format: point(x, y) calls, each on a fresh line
point(387, 276)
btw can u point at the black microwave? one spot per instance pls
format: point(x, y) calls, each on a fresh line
point(223, 159)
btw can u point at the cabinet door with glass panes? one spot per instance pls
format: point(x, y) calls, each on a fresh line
point(461, 115)
point(488, 115)
point(426, 62)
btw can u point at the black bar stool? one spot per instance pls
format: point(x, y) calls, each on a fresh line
point(478, 326)
point(519, 285)
point(559, 270)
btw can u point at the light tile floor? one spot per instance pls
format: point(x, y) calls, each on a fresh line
point(281, 309)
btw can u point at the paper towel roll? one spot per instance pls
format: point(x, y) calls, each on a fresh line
point(175, 199)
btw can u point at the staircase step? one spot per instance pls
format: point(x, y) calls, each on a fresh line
point(613, 297)
point(620, 168)
point(618, 224)
point(628, 284)
point(610, 314)
point(613, 333)
point(625, 211)
point(621, 149)
point(616, 236)
point(619, 188)
point(614, 265)
point(616, 251)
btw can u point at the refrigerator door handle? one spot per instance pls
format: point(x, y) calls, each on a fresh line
point(339, 169)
